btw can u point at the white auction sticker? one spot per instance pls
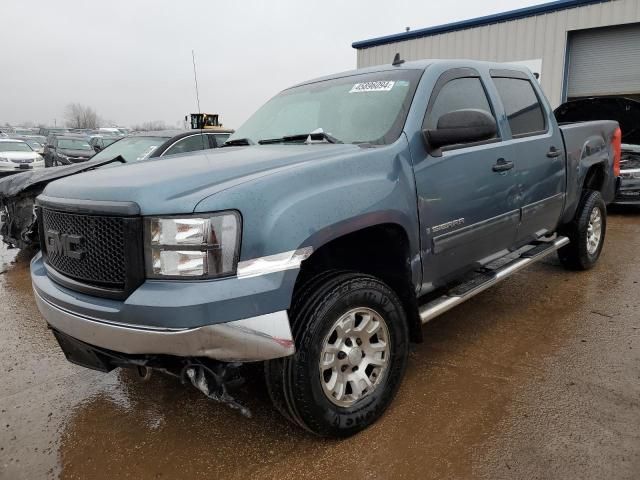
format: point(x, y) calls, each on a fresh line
point(380, 86)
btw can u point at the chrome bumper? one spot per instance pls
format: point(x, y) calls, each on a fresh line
point(252, 339)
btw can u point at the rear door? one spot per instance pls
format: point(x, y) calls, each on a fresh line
point(536, 145)
point(467, 206)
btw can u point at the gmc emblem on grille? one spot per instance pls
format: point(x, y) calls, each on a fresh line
point(64, 244)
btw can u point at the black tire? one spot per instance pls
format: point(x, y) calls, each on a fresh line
point(294, 383)
point(578, 255)
point(273, 369)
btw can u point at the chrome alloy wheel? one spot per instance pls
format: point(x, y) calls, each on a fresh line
point(594, 231)
point(354, 356)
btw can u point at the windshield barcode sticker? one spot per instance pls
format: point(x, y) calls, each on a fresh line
point(381, 86)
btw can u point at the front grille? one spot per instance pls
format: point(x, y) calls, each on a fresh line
point(22, 160)
point(100, 248)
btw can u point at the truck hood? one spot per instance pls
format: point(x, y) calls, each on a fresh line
point(176, 184)
point(625, 111)
point(36, 179)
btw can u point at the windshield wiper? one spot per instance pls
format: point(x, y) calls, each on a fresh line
point(317, 136)
point(238, 142)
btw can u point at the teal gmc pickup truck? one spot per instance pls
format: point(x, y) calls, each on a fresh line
point(343, 215)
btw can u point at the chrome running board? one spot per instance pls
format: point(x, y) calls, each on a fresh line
point(481, 280)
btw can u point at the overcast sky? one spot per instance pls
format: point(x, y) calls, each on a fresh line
point(131, 59)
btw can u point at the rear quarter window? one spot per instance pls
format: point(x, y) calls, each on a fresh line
point(522, 106)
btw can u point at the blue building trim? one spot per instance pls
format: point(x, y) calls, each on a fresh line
point(476, 22)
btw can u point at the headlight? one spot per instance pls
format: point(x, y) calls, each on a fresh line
point(63, 156)
point(198, 246)
point(5, 159)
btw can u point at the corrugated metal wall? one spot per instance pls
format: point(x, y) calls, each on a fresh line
point(541, 36)
point(604, 61)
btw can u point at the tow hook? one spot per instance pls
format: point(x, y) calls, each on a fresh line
point(213, 382)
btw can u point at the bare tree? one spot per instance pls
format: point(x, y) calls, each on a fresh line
point(150, 126)
point(80, 116)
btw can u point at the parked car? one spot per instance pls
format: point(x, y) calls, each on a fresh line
point(626, 111)
point(342, 215)
point(17, 194)
point(143, 145)
point(46, 131)
point(34, 141)
point(22, 131)
point(17, 155)
point(67, 149)
point(99, 143)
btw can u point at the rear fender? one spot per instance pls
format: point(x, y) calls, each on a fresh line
point(594, 152)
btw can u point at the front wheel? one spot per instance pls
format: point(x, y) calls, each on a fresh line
point(586, 233)
point(352, 347)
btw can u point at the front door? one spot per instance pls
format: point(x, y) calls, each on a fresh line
point(468, 206)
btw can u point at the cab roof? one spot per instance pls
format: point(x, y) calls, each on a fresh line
point(421, 65)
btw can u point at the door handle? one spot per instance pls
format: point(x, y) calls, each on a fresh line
point(502, 165)
point(554, 152)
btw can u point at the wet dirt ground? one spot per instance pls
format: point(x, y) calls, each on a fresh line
point(537, 378)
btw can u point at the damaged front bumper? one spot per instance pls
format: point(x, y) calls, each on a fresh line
point(253, 339)
point(214, 320)
point(18, 223)
point(214, 379)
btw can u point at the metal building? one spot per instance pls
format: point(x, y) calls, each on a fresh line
point(580, 48)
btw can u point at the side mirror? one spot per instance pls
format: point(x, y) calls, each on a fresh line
point(461, 126)
point(96, 148)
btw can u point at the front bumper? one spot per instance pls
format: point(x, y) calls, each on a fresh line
point(132, 327)
point(17, 167)
point(259, 338)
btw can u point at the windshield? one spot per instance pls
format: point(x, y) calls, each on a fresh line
point(33, 143)
point(366, 108)
point(19, 131)
point(131, 148)
point(73, 144)
point(14, 147)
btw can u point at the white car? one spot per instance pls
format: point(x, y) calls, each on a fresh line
point(16, 155)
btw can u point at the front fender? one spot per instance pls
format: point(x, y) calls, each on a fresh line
point(316, 202)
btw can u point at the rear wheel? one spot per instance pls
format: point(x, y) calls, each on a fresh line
point(352, 346)
point(586, 232)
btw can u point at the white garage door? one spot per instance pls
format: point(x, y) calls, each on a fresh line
point(604, 61)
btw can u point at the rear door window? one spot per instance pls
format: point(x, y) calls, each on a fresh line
point(189, 144)
point(522, 106)
point(219, 139)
